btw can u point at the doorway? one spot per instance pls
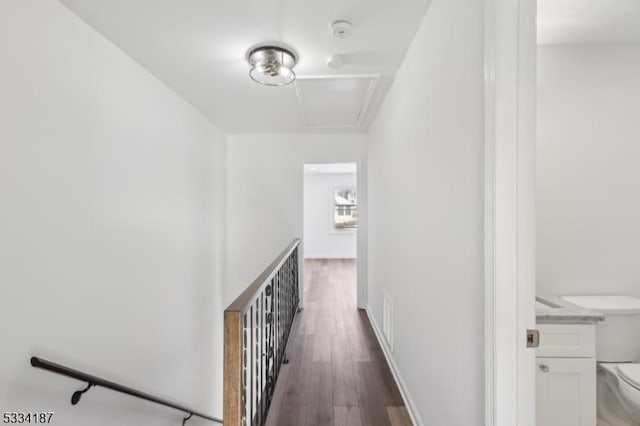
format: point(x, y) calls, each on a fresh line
point(510, 267)
point(330, 222)
point(587, 233)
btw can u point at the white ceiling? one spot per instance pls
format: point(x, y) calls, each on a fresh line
point(588, 21)
point(198, 47)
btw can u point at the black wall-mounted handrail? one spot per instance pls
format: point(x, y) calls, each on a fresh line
point(97, 381)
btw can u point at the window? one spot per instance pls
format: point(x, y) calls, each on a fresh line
point(345, 208)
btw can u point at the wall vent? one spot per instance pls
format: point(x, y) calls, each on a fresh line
point(387, 319)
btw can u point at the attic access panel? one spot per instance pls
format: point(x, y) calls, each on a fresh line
point(334, 101)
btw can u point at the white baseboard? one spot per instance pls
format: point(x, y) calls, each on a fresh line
point(408, 401)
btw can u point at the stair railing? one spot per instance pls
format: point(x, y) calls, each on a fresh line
point(257, 326)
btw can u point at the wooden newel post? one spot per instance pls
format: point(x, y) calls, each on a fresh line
point(232, 410)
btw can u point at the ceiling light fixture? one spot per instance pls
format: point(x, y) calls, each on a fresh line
point(272, 65)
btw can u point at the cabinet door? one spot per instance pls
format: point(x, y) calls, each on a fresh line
point(566, 392)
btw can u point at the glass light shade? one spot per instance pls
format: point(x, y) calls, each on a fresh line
point(271, 65)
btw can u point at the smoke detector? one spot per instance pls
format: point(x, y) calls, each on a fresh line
point(341, 28)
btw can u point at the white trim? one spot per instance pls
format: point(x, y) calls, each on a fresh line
point(489, 216)
point(526, 157)
point(406, 397)
point(362, 232)
point(509, 211)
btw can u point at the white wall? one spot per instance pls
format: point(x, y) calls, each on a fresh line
point(321, 239)
point(265, 195)
point(426, 153)
point(588, 178)
point(110, 227)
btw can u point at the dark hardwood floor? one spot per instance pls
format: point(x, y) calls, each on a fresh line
point(337, 374)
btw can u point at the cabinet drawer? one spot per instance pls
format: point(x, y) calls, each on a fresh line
point(567, 340)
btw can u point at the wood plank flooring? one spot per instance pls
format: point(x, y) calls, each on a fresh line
point(337, 374)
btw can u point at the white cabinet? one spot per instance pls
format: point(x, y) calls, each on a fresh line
point(565, 391)
point(566, 375)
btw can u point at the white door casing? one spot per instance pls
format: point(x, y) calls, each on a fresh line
point(510, 65)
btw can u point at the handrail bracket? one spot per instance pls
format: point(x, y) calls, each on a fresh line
point(77, 395)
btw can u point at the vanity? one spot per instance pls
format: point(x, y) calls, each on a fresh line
point(565, 364)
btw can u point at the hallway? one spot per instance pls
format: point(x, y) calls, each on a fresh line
point(337, 374)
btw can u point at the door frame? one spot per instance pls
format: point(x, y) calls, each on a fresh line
point(510, 121)
point(361, 231)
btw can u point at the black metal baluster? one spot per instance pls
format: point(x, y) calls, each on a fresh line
point(276, 329)
point(256, 361)
point(278, 323)
point(271, 369)
point(260, 357)
point(253, 369)
point(294, 278)
point(276, 340)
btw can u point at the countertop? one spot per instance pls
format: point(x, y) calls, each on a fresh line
point(552, 309)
